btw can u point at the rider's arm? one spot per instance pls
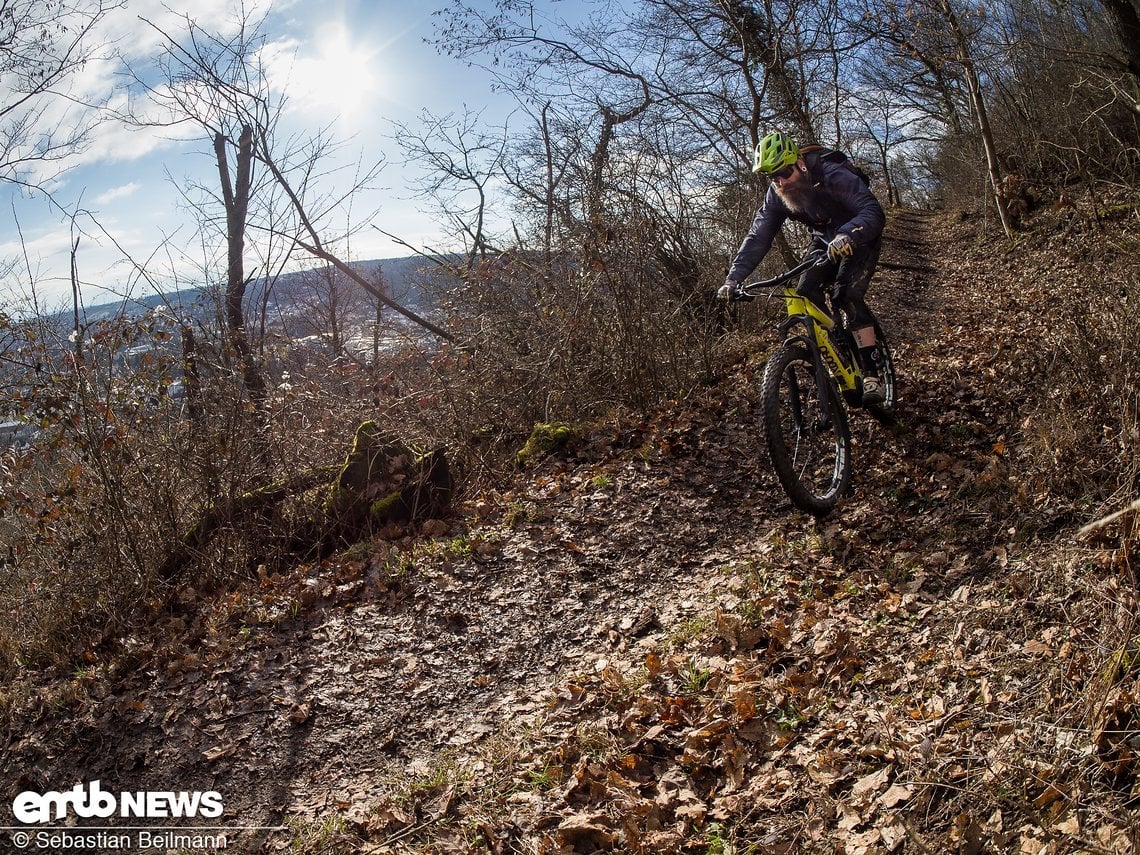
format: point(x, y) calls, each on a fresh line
point(866, 224)
point(759, 238)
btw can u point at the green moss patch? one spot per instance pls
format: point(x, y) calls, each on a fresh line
point(545, 439)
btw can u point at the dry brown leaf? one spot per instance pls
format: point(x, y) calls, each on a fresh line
point(893, 835)
point(582, 830)
point(219, 751)
point(699, 738)
point(744, 703)
point(1115, 839)
point(862, 844)
point(1069, 825)
point(896, 794)
point(849, 818)
point(654, 665)
point(866, 787)
point(1049, 795)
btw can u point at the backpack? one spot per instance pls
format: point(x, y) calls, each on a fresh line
point(834, 155)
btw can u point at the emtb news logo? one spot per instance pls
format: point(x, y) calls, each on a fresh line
point(31, 807)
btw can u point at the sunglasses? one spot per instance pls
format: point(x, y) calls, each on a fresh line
point(783, 174)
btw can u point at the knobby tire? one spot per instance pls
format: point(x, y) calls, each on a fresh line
point(812, 462)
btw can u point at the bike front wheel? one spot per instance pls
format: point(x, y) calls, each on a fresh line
point(810, 452)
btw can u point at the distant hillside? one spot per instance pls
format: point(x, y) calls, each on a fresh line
point(404, 279)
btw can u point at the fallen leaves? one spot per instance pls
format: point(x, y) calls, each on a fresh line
point(639, 647)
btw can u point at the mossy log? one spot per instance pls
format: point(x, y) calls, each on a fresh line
point(381, 481)
point(234, 511)
point(547, 438)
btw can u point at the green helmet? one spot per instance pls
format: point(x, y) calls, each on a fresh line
point(774, 152)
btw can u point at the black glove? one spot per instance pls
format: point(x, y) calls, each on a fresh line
point(840, 247)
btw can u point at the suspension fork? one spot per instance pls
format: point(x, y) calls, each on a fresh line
point(822, 378)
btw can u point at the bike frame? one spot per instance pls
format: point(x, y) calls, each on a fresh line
point(816, 337)
point(816, 326)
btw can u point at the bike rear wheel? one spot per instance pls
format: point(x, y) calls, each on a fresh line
point(811, 456)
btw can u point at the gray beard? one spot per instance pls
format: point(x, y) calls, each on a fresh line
point(799, 198)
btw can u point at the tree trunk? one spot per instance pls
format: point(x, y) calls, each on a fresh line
point(597, 223)
point(548, 190)
point(376, 333)
point(978, 101)
point(1126, 20)
point(235, 510)
point(892, 191)
point(236, 197)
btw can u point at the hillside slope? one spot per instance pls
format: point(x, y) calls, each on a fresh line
point(639, 646)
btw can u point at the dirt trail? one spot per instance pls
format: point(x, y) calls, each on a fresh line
point(594, 558)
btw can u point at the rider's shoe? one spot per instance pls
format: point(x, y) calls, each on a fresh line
point(873, 393)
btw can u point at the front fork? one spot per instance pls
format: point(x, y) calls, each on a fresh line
point(823, 351)
point(822, 378)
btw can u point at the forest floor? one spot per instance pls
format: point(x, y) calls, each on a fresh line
point(638, 645)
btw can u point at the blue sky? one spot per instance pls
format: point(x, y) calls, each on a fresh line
point(352, 66)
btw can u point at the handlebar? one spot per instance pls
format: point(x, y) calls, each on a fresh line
point(814, 258)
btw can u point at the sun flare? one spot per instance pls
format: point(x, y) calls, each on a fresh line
point(341, 76)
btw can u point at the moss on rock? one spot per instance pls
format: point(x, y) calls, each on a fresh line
point(391, 508)
point(375, 456)
point(546, 438)
point(382, 480)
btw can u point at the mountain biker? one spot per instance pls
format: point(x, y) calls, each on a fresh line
point(840, 210)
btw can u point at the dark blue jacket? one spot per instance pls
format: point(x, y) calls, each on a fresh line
point(844, 204)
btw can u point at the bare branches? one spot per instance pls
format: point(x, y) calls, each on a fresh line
point(459, 159)
point(220, 84)
point(43, 121)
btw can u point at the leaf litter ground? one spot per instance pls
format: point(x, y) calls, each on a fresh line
point(639, 646)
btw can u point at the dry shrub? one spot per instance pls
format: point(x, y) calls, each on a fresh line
point(90, 504)
point(1084, 429)
point(549, 342)
point(121, 470)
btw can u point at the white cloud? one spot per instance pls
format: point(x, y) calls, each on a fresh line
point(116, 193)
point(50, 242)
point(137, 27)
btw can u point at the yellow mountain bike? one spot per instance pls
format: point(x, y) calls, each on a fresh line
point(803, 392)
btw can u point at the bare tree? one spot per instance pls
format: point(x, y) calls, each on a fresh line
point(330, 303)
point(934, 44)
point(911, 58)
point(459, 160)
point(217, 83)
point(1063, 102)
point(878, 128)
point(942, 80)
point(235, 196)
point(43, 47)
point(537, 168)
point(978, 99)
point(381, 283)
point(586, 68)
